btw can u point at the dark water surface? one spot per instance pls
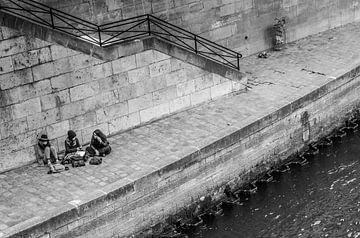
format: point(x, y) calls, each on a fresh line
point(319, 199)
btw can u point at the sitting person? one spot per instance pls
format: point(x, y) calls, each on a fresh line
point(45, 152)
point(72, 143)
point(99, 144)
point(73, 148)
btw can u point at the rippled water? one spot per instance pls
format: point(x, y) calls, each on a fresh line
point(319, 199)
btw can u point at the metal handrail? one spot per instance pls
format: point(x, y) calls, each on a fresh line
point(119, 31)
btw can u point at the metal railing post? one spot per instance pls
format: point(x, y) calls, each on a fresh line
point(148, 24)
point(238, 61)
point(99, 32)
point(52, 18)
point(196, 47)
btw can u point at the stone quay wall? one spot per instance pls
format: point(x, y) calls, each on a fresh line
point(243, 25)
point(46, 87)
point(237, 157)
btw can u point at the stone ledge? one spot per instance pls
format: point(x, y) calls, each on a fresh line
point(72, 212)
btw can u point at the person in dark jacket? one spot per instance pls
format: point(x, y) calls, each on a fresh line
point(99, 144)
point(72, 143)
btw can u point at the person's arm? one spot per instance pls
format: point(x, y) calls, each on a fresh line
point(68, 149)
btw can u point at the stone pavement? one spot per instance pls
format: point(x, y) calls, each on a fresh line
point(29, 195)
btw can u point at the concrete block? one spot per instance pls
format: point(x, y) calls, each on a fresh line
point(114, 82)
point(12, 128)
point(108, 113)
point(123, 123)
point(13, 46)
point(160, 68)
point(221, 89)
point(144, 58)
point(84, 91)
point(58, 129)
point(176, 77)
point(6, 65)
point(154, 112)
point(185, 88)
point(42, 119)
point(205, 81)
point(124, 64)
point(164, 95)
point(15, 78)
point(200, 96)
point(139, 74)
point(71, 110)
point(26, 108)
point(140, 103)
point(180, 103)
point(58, 52)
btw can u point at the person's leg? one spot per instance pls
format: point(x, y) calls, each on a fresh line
point(53, 155)
point(47, 156)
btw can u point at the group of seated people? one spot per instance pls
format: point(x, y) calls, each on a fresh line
point(46, 153)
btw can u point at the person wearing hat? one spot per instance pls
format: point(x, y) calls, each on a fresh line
point(72, 144)
point(45, 152)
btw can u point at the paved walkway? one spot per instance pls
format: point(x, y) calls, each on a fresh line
point(28, 193)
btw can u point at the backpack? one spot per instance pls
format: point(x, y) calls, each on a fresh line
point(95, 160)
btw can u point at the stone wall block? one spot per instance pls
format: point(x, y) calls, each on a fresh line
point(31, 58)
point(111, 112)
point(221, 89)
point(87, 132)
point(236, 86)
point(100, 100)
point(81, 61)
point(139, 74)
point(19, 77)
point(140, 103)
point(13, 46)
point(159, 56)
point(206, 81)
point(154, 112)
point(12, 128)
point(58, 129)
point(25, 92)
point(8, 33)
point(70, 110)
point(154, 84)
point(180, 103)
point(176, 77)
point(71, 79)
point(55, 99)
point(200, 96)
point(101, 71)
point(144, 58)
point(123, 123)
point(185, 88)
point(6, 114)
point(114, 82)
point(58, 52)
point(124, 64)
point(164, 95)
point(6, 65)
point(26, 108)
point(18, 158)
point(83, 121)
point(44, 71)
point(44, 118)
point(84, 91)
point(160, 68)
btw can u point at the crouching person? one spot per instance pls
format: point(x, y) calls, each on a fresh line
point(45, 153)
point(99, 144)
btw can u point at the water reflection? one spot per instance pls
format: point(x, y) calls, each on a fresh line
point(318, 199)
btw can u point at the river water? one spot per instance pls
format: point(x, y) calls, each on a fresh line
point(318, 199)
